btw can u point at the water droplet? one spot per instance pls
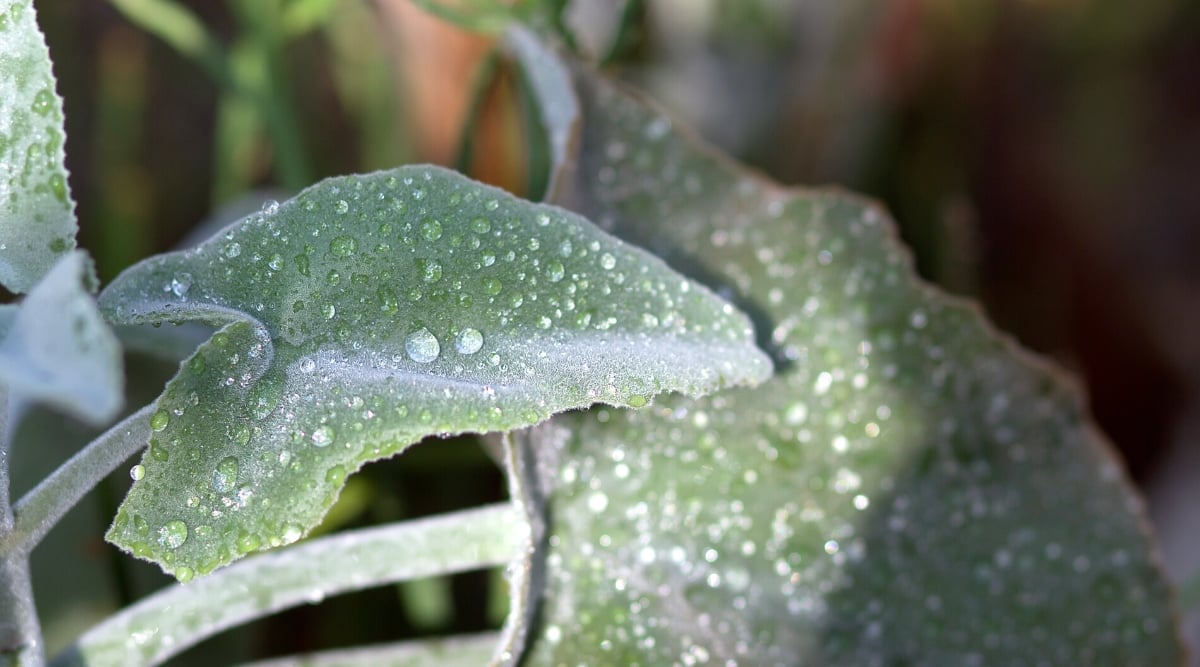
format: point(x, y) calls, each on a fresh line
point(431, 270)
point(492, 287)
point(302, 264)
point(469, 341)
point(481, 226)
point(555, 271)
point(184, 574)
point(233, 250)
point(488, 259)
point(597, 502)
point(343, 246)
point(422, 346)
point(330, 310)
point(160, 420)
point(431, 230)
point(270, 207)
point(43, 102)
point(323, 436)
point(137, 472)
point(607, 261)
point(173, 534)
point(226, 474)
point(307, 365)
point(291, 533)
point(341, 207)
point(276, 262)
point(180, 284)
point(492, 205)
point(636, 400)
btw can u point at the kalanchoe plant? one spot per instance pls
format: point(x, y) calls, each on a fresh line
point(843, 465)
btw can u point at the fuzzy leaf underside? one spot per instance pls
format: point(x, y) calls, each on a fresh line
point(910, 488)
point(37, 214)
point(57, 349)
point(371, 311)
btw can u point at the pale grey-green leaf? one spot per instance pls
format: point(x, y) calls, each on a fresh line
point(37, 215)
point(58, 349)
point(371, 311)
point(909, 489)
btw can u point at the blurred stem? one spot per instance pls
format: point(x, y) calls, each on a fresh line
point(182, 30)
point(179, 616)
point(41, 508)
point(481, 85)
point(268, 86)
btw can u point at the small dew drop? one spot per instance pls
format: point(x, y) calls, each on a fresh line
point(468, 341)
point(137, 472)
point(159, 421)
point(341, 207)
point(607, 261)
point(431, 230)
point(270, 207)
point(233, 250)
point(226, 474)
point(492, 287)
point(307, 365)
point(343, 246)
point(555, 271)
point(481, 226)
point(323, 436)
point(422, 346)
point(180, 284)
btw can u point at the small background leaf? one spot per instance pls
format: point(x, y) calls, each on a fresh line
point(37, 215)
point(372, 311)
point(909, 489)
point(59, 350)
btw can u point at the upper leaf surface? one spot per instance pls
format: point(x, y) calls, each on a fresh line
point(37, 214)
point(371, 311)
point(908, 489)
point(58, 350)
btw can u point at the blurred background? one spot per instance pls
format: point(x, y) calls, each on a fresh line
point(1041, 156)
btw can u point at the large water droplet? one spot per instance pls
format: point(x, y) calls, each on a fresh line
point(422, 346)
point(137, 472)
point(481, 226)
point(160, 420)
point(492, 287)
point(173, 534)
point(469, 341)
point(226, 474)
point(341, 207)
point(323, 436)
point(270, 207)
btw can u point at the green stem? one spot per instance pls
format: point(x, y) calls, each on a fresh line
point(179, 616)
point(41, 508)
point(481, 84)
point(182, 30)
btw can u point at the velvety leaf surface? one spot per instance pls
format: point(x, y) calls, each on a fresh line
point(37, 215)
point(58, 350)
point(371, 311)
point(909, 489)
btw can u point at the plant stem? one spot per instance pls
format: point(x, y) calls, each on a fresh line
point(179, 616)
point(41, 508)
point(461, 651)
point(20, 634)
